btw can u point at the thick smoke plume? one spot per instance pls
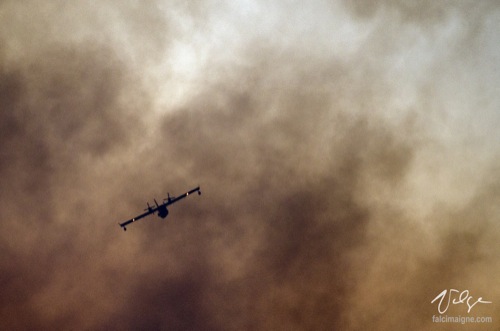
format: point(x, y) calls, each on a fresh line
point(347, 154)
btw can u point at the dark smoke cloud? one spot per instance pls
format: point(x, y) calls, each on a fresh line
point(325, 205)
point(58, 120)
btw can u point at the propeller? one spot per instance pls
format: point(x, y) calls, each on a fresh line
point(168, 198)
point(149, 207)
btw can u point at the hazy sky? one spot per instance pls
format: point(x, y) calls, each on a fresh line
point(348, 153)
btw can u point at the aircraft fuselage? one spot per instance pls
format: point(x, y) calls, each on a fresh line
point(162, 211)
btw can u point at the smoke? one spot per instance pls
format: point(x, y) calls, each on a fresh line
point(346, 181)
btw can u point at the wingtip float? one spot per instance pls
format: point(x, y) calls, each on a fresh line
point(161, 209)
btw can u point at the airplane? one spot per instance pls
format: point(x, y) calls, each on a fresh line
point(161, 209)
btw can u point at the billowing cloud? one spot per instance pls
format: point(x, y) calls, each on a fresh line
point(343, 187)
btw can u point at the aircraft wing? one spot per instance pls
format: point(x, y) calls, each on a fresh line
point(149, 212)
point(182, 196)
point(152, 210)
